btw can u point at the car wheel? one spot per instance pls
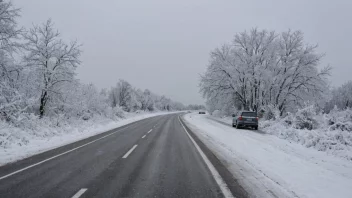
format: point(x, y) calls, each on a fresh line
point(237, 126)
point(233, 125)
point(256, 128)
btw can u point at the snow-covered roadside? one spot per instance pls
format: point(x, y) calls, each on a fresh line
point(331, 133)
point(268, 166)
point(49, 137)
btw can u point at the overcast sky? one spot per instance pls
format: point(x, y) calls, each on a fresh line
point(164, 45)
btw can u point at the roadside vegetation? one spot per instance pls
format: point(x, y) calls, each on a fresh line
point(280, 76)
point(40, 94)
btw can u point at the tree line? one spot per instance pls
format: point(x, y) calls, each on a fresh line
point(38, 77)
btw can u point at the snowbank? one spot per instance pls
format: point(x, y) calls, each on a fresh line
point(268, 166)
point(41, 135)
point(331, 133)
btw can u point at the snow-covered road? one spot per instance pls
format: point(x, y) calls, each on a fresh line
point(267, 166)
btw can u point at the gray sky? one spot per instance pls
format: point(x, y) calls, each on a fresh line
point(164, 45)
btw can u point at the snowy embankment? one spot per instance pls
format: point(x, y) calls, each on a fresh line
point(330, 133)
point(18, 143)
point(268, 166)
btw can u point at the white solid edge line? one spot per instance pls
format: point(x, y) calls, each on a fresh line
point(48, 159)
point(223, 186)
point(143, 136)
point(80, 192)
point(150, 130)
point(130, 151)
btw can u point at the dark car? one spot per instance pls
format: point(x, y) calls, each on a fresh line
point(202, 112)
point(245, 119)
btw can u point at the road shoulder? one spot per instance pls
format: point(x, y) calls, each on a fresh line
point(267, 166)
point(236, 189)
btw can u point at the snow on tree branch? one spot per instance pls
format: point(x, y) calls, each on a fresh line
point(53, 61)
point(261, 68)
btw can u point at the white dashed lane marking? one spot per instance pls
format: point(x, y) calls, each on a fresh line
point(50, 158)
point(80, 192)
point(130, 151)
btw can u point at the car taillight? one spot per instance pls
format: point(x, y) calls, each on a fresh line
point(257, 118)
point(240, 118)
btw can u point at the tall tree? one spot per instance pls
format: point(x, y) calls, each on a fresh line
point(341, 97)
point(261, 68)
point(121, 95)
point(10, 98)
point(53, 60)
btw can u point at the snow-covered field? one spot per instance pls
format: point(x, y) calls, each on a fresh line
point(268, 166)
point(17, 143)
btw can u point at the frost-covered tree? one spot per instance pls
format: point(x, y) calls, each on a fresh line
point(162, 103)
point(121, 95)
point(177, 106)
point(261, 68)
point(11, 101)
point(341, 97)
point(145, 100)
point(37, 75)
point(131, 99)
point(83, 101)
point(52, 60)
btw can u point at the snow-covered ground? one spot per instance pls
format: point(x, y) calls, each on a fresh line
point(17, 143)
point(268, 166)
point(330, 133)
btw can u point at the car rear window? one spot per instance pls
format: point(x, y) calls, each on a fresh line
point(249, 114)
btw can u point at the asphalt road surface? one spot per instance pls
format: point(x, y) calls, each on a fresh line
point(154, 157)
